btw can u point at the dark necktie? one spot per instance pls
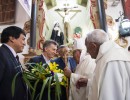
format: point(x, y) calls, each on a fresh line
point(17, 58)
point(21, 70)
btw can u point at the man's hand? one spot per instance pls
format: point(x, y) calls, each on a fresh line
point(67, 72)
point(82, 82)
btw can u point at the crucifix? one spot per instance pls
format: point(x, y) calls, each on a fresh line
point(67, 18)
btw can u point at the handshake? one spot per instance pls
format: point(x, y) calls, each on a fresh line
point(81, 82)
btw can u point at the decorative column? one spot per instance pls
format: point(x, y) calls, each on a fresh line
point(102, 15)
point(33, 26)
point(40, 26)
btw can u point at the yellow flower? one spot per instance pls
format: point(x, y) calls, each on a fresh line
point(64, 78)
point(42, 73)
point(64, 81)
point(53, 66)
point(57, 70)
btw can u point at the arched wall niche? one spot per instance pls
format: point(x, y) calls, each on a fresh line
point(69, 18)
point(83, 14)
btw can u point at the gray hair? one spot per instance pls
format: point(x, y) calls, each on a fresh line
point(48, 43)
point(98, 36)
point(62, 46)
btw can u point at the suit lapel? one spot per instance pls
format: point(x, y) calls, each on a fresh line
point(16, 64)
point(42, 59)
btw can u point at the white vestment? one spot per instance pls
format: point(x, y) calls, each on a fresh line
point(111, 79)
point(84, 69)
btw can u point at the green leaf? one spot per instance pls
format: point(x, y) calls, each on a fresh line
point(30, 75)
point(35, 86)
point(27, 81)
point(13, 83)
point(49, 86)
point(39, 72)
point(57, 88)
point(43, 87)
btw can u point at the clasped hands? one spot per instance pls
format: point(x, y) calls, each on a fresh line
point(81, 82)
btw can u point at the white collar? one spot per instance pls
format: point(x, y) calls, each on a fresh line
point(47, 60)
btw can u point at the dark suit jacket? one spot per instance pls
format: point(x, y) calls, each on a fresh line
point(8, 69)
point(38, 59)
point(61, 63)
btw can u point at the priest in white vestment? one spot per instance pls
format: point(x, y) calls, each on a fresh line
point(84, 69)
point(111, 79)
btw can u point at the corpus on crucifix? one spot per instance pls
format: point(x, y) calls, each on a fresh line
point(67, 14)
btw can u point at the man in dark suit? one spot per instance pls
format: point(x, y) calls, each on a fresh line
point(61, 61)
point(13, 39)
point(49, 51)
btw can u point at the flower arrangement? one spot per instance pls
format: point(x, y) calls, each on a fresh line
point(48, 75)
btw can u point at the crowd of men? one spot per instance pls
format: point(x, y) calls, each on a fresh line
point(101, 73)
